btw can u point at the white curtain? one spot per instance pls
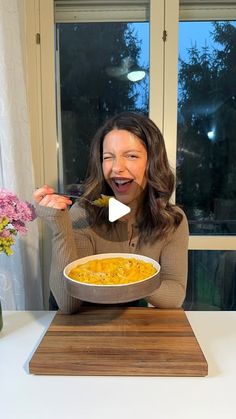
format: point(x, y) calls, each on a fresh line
point(20, 277)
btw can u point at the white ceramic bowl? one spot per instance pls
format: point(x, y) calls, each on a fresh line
point(112, 294)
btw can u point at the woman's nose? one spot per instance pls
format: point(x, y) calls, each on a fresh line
point(118, 165)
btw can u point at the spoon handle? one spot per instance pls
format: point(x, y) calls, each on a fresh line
point(74, 196)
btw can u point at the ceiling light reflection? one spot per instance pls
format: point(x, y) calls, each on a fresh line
point(136, 75)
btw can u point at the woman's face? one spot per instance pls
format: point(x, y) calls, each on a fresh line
point(124, 165)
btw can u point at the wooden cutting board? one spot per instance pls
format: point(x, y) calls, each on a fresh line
point(136, 341)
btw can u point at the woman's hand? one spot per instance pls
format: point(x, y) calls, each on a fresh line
point(46, 197)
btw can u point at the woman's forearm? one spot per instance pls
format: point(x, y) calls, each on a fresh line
point(170, 294)
point(174, 270)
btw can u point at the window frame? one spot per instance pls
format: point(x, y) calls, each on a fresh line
point(101, 11)
point(191, 10)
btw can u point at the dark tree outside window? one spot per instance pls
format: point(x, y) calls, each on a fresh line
point(95, 59)
point(206, 155)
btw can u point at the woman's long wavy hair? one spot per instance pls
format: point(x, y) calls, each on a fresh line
point(156, 217)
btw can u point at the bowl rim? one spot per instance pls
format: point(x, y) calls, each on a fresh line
point(85, 259)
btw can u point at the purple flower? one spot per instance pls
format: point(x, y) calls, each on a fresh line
point(19, 226)
point(13, 216)
point(14, 209)
point(5, 233)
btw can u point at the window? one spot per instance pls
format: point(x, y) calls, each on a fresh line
point(212, 280)
point(204, 166)
point(206, 149)
point(206, 146)
point(104, 70)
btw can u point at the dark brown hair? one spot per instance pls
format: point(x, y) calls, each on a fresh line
point(157, 217)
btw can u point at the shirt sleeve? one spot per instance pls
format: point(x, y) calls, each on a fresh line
point(69, 242)
point(174, 270)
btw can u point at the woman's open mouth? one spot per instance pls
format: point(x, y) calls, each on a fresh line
point(121, 185)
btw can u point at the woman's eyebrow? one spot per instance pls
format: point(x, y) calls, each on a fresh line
point(133, 151)
point(125, 151)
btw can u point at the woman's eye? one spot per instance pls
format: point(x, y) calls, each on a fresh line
point(132, 156)
point(107, 158)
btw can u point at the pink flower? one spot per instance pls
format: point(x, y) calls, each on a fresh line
point(14, 209)
point(5, 233)
point(13, 216)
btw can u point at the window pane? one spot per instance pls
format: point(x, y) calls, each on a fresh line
point(98, 78)
point(206, 155)
point(211, 280)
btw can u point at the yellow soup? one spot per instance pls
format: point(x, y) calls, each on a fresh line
point(112, 271)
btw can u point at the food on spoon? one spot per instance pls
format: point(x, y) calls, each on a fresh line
point(112, 271)
point(102, 202)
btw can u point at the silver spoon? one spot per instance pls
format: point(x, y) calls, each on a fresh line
point(81, 197)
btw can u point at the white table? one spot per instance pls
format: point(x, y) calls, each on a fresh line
point(27, 396)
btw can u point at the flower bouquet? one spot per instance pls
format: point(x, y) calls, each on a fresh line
point(13, 216)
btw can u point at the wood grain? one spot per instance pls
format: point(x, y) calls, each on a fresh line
point(112, 340)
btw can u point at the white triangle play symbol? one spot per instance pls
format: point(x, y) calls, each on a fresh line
point(116, 209)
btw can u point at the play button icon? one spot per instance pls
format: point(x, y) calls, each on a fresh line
point(112, 207)
point(116, 209)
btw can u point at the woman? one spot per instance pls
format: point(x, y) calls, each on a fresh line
point(128, 160)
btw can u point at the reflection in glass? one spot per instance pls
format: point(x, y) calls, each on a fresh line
point(96, 64)
point(206, 154)
point(211, 280)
